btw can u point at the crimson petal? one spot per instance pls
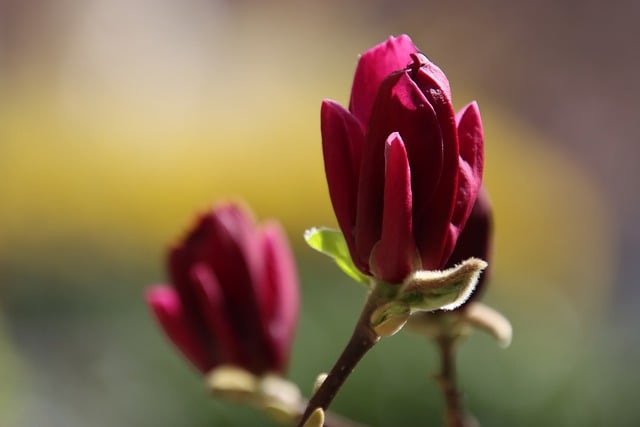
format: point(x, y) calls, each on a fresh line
point(232, 253)
point(214, 310)
point(432, 225)
point(470, 167)
point(169, 311)
point(394, 256)
point(401, 106)
point(475, 239)
point(280, 278)
point(342, 140)
point(373, 67)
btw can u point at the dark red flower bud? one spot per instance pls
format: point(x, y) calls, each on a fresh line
point(233, 297)
point(403, 170)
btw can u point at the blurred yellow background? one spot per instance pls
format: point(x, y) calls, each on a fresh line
point(120, 120)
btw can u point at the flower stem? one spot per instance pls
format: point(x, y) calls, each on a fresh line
point(447, 379)
point(361, 341)
point(334, 420)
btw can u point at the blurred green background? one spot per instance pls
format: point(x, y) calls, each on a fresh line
point(119, 120)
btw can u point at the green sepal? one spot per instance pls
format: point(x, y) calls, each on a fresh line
point(276, 396)
point(389, 318)
point(441, 290)
point(488, 319)
point(331, 243)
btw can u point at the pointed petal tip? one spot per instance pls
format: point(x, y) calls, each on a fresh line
point(469, 111)
point(160, 296)
point(373, 67)
point(331, 110)
point(401, 40)
point(392, 141)
point(327, 104)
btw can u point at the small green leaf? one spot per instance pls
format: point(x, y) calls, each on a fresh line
point(331, 243)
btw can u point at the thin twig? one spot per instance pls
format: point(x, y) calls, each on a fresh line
point(447, 379)
point(361, 341)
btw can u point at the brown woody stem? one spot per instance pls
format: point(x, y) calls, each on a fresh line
point(361, 341)
point(447, 379)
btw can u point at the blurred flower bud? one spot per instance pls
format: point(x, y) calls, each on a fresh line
point(233, 298)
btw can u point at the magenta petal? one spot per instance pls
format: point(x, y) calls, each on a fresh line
point(388, 110)
point(166, 306)
point(423, 139)
point(178, 262)
point(475, 239)
point(471, 161)
point(373, 67)
point(212, 306)
point(401, 107)
point(232, 253)
point(281, 280)
point(434, 73)
point(342, 140)
point(470, 167)
point(183, 256)
point(432, 225)
point(394, 256)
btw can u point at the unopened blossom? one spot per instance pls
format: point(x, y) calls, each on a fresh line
point(403, 169)
point(233, 293)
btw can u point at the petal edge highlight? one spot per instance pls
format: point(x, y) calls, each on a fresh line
point(393, 257)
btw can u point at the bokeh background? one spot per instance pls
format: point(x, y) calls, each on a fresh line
point(120, 119)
